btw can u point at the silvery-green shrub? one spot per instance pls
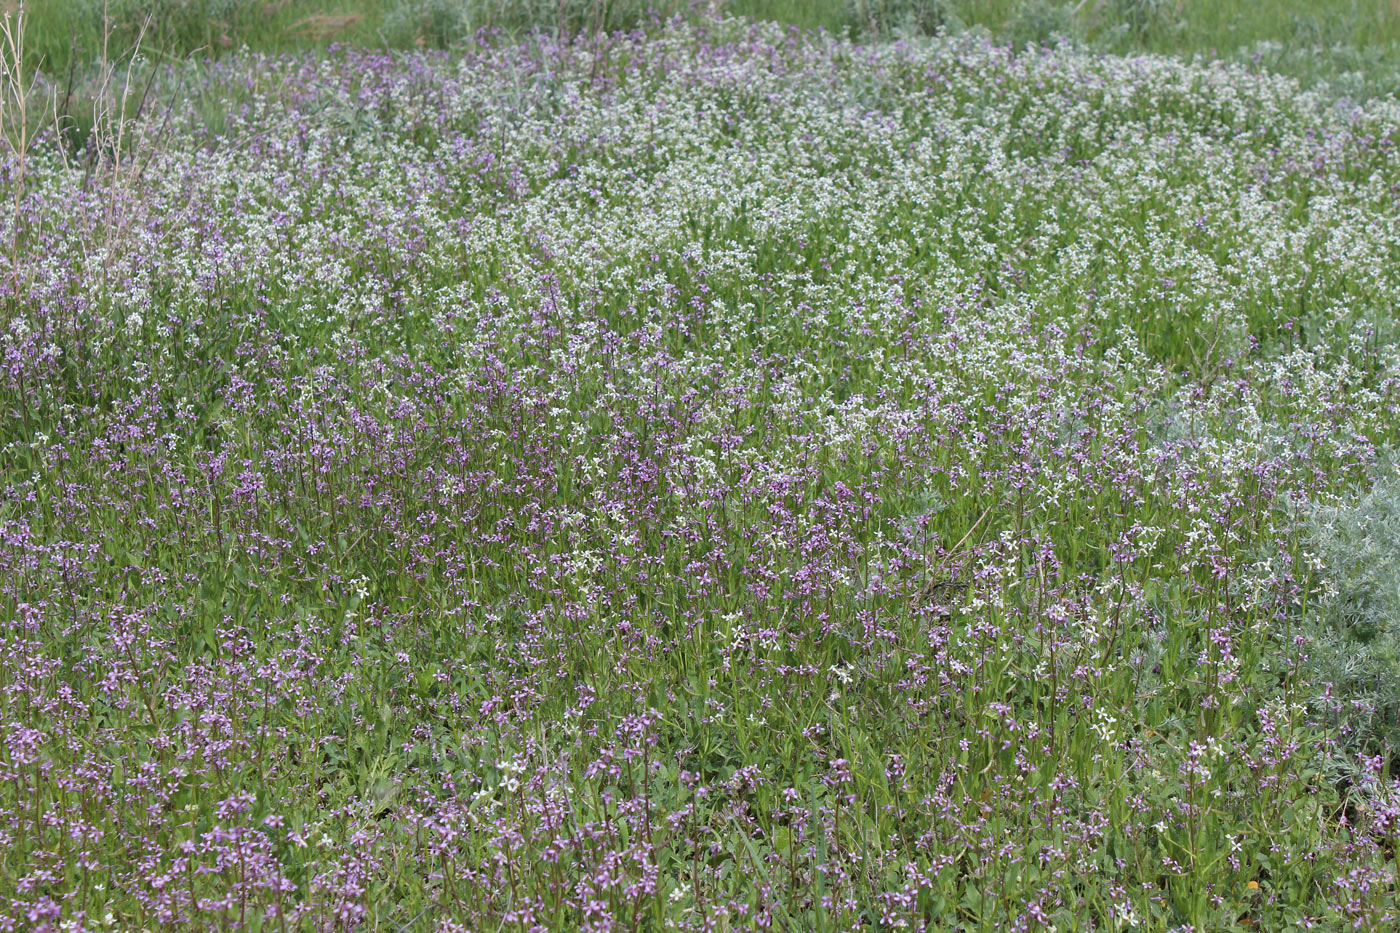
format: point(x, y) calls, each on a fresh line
point(900, 17)
point(1143, 17)
point(1356, 653)
point(1037, 22)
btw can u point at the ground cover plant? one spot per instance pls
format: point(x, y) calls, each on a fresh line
point(714, 476)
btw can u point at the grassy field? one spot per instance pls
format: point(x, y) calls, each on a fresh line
point(717, 476)
point(65, 30)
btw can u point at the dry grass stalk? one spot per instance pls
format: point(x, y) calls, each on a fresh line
point(116, 155)
point(16, 129)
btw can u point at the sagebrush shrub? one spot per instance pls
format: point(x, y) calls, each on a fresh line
point(1356, 654)
point(447, 22)
point(1144, 17)
point(900, 17)
point(1037, 22)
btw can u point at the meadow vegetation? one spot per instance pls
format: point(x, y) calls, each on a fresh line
point(919, 467)
point(69, 31)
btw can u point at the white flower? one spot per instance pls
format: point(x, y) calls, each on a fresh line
point(1103, 726)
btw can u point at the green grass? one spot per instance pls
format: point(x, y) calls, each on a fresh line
point(1353, 45)
point(1185, 26)
point(65, 32)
